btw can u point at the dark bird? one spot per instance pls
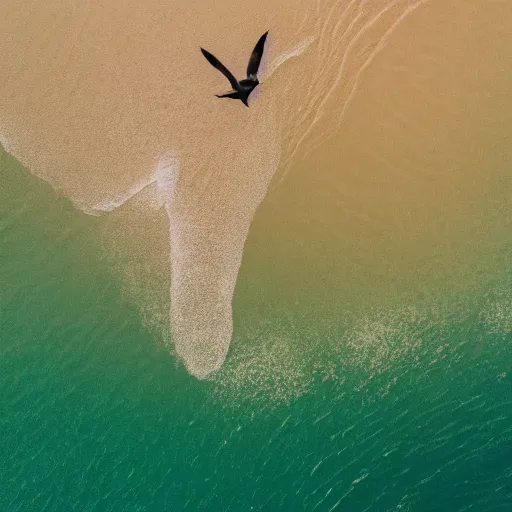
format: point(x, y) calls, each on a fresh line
point(241, 90)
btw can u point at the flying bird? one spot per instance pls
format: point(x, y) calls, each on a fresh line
point(243, 88)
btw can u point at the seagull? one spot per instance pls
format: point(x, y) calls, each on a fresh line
point(241, 90)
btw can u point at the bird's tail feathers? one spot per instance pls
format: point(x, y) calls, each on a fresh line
point(234, 95)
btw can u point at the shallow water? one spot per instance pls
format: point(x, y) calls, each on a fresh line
point(395, 410)
point(339, 253)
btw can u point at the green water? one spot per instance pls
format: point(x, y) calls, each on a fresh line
point(409, 413)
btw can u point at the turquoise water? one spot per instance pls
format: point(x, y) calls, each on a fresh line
point(97, 416)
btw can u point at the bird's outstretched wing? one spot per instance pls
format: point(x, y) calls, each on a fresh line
point(257, 53)
point(216, 63)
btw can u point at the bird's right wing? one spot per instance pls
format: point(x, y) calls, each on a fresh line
point(257, 53)
point(217, 64)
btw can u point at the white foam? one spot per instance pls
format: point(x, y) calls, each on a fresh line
point(111, 204)
point(163, 179)
point(4, 141)
point(166, 177)
point(295, 52)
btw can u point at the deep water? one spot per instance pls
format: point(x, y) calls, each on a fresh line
point(95, 414)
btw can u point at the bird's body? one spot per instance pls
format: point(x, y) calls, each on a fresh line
point(243, 88)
